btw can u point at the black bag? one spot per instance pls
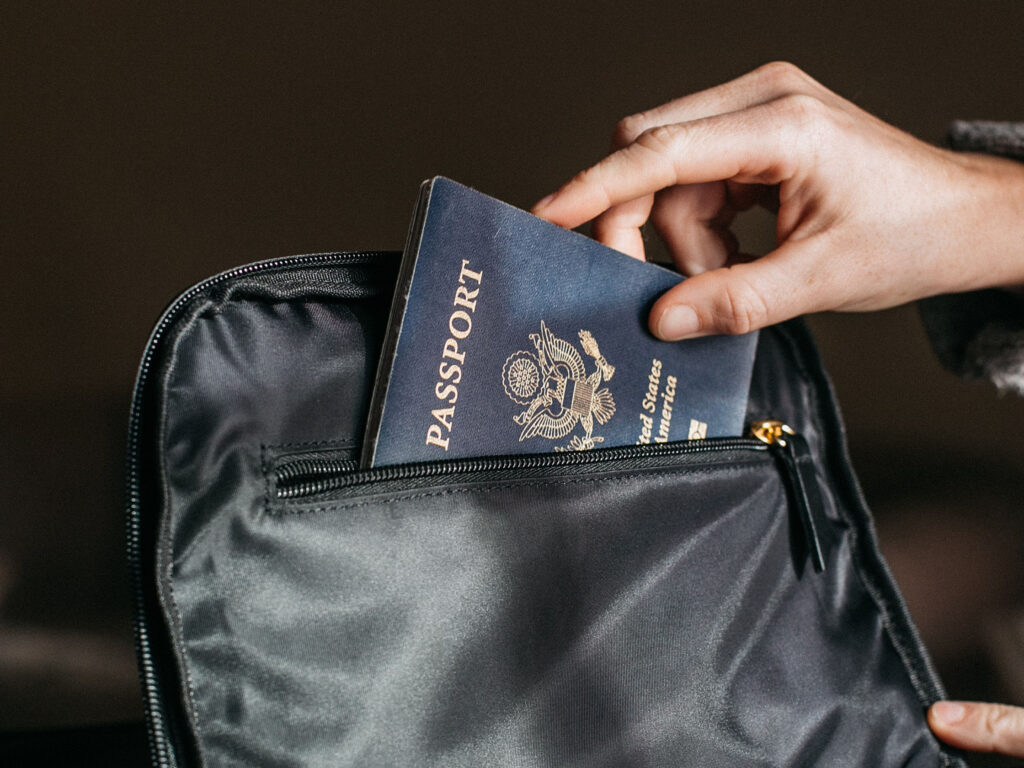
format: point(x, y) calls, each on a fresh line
point(641, 606)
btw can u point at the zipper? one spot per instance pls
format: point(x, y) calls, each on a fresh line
point(157, 726)
point(798, 467)
point(319, 476)
point(308, 477)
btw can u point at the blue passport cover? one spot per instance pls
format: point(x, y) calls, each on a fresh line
point(509, 334)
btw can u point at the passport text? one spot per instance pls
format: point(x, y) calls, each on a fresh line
point(453, 356)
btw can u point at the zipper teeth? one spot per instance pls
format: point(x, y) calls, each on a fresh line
point(304, 477)
point(157, 727)
point(305, 469)
point(324, 476)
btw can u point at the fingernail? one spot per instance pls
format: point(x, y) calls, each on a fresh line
point(949, 712)
point(678, 322)
point(544, 201)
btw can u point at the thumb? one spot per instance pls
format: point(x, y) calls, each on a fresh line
point(979, 727)
point(740, 298)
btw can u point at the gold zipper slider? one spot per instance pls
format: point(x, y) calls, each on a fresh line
point(798, 468)
point(771, 431)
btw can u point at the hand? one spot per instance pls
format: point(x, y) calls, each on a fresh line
point(868, 216)
point(979, 727)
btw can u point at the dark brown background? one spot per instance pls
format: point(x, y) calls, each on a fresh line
point(147, 146)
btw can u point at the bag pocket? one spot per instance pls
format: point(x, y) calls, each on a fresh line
point(606, 609)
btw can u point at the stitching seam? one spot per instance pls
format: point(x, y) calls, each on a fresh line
point(348, 443)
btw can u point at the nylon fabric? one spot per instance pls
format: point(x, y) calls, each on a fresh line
point(576, 618)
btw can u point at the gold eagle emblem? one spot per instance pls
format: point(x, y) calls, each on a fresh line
point(552, 382)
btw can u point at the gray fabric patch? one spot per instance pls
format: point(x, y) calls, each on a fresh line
point(994, 138)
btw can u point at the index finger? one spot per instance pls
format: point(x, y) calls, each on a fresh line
point(755, 145)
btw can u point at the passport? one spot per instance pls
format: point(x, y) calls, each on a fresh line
point(509, 334)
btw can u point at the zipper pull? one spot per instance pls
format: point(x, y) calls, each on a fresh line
point(795, 456)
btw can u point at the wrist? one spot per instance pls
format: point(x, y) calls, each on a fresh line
point(990, 224)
